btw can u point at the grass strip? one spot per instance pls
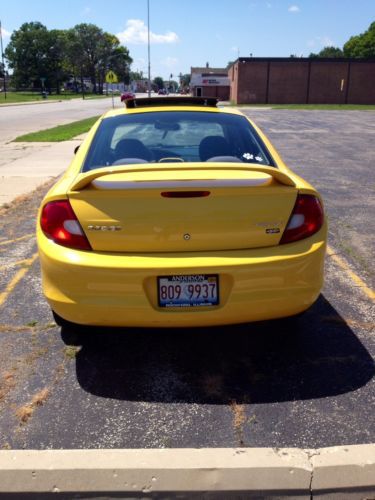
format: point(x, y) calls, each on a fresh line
point(312, 107)
point(20, 97)
point(59, 133)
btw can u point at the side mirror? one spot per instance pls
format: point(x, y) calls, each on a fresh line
point(76, 149)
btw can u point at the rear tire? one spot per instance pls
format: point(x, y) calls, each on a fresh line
point(60, 321)
point(71, 333)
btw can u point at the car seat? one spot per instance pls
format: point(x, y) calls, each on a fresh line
point(132, 148)
point(214, 145)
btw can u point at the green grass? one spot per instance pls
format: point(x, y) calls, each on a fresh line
point(327, 107)
point(20, 97)
point(60, 133)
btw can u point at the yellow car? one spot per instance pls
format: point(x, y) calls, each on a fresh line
point(178, 213)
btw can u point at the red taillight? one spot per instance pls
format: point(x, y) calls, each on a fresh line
point(306, 219)
point(60, 224)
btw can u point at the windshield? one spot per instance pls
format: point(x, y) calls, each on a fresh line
point(175, 136)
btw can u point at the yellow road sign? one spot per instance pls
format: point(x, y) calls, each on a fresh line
point(111, 77)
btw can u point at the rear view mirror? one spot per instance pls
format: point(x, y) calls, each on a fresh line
point(76, 149)
point(166, 126)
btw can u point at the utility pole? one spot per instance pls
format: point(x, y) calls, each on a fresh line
point(148, 47)
point(2, 62)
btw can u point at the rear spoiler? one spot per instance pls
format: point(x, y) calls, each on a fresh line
point(142, 102)
point(85, 178)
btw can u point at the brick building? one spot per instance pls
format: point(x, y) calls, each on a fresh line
point(278, 80)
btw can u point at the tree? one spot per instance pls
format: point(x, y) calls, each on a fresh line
point(328, 52)
point(159, 82)
point(41, 58)
point(34, 53)
point(92, 52)
point(362, 45)
point(136, 75)
point(87, 38)
point(185, 80)
point(74, 58)
point(118, 59)
point(172, 85)
point(57, 71)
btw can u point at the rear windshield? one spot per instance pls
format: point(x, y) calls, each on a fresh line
point(175, 136)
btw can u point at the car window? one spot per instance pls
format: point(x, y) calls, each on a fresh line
point(178, 136)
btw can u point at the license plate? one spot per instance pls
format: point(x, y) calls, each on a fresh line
point(195, 290)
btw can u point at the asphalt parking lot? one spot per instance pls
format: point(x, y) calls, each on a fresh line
point(303, 383)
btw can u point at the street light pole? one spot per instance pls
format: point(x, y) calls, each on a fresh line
point(148, 48)
point(2, 62)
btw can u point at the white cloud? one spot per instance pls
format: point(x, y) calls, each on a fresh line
point(325, 41)
point(86, 12)
point(5, 33)
point(320, 41)
point(294, 9)
point(170, 62)
point(136, 32)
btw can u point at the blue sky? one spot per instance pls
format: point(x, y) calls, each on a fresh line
point(191, 33)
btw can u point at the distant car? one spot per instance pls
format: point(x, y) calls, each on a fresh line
point(127, 95)
point(179, 215)
point(162, 92)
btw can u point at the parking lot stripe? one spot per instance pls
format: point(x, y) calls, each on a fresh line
point(357, 280)
point(19, 275)
point(8, 242)
point(26, 262)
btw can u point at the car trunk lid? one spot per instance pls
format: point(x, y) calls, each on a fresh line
point(174, 208)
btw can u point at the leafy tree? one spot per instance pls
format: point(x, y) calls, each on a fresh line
point(92, 52)
point(159, 82)
point(34, 53)
point(328, 52)
point(57, 71)
point(173, 85)
point(185, 80)
point(2, 70)
point(75, 58)
point(88, 39)
point(119, 59)
point(362, 45)
point(136, 75)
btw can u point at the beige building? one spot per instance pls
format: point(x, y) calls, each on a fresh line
point(210, 82)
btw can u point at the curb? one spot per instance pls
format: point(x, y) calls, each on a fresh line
point(345, 472)
point(28, 103)
point(51, 101)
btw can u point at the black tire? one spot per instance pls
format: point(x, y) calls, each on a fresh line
point(59, 320)
point(71, 333)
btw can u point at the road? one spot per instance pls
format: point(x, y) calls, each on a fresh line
point(24, 166)
point(306, 383)
point(19, 120)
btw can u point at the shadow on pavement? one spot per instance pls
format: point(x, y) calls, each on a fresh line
point(313, 356)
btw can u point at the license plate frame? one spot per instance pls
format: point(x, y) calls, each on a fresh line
point(206, 294)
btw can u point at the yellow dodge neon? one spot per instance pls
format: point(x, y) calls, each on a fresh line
point(175, 212)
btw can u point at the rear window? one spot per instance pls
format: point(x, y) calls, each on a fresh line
point(175, 136)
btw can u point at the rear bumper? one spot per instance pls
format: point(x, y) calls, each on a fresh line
point(121, 290)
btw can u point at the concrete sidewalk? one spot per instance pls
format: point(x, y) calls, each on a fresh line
point(25, 165)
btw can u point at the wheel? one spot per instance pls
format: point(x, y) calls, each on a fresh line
point(71, 333)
